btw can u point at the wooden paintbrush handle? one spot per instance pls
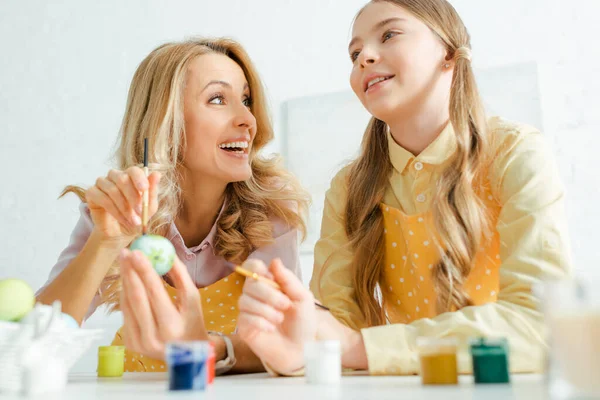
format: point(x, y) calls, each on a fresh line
point(255, 276)
point(145, 207)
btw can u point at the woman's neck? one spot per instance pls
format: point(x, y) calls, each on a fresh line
point(202, 199)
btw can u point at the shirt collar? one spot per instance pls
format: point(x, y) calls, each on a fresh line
point(436, 153)
point(208, 241)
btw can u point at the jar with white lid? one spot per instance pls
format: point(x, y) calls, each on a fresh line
point(323, 362)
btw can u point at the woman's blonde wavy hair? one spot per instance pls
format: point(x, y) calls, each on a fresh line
point(460, 218)
point(155, 110)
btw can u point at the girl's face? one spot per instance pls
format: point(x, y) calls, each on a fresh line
point(398, 62)
point(219, 125)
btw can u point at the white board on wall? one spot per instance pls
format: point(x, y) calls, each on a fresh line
point(323, 132)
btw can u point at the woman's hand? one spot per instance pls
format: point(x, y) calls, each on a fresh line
point(275, 324)
point(150, 317)
point(115, 203)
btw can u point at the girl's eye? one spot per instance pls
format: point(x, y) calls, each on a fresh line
point(388, 35)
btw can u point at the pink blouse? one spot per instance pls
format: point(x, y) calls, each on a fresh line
point(204, 266)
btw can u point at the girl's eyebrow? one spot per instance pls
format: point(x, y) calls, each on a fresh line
point(377, 26)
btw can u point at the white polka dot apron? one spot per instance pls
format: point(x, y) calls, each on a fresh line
point(411, 254)
point(219, 305)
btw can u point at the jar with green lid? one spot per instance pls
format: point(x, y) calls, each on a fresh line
point(490, 360)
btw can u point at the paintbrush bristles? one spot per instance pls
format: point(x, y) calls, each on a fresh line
point(145, 152)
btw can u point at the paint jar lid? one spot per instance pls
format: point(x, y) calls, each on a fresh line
point(322, 347)
point(488, 341)
point(187, 352)
point(111, 349)
point(432, 345)
point(482, 345)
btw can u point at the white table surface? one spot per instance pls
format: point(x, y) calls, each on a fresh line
point(148, 386)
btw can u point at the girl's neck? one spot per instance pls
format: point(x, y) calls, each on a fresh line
point(416, 131)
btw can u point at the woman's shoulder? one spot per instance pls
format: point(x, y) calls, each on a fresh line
point(280, 226)
point(284, 194)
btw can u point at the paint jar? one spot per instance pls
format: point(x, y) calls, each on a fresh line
point(437, 357)
point(572, 314)
point(323, 362)
point(490, 360)
point(111, 361)
point(188, 365)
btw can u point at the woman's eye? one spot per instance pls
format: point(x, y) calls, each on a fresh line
point(247, 102)
point(217, 100)
point(354, 55)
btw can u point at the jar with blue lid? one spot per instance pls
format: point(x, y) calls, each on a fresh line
point(188, 365)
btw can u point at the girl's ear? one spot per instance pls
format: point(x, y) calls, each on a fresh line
point(448, 61)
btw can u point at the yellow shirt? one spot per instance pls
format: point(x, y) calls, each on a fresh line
point(533, 245)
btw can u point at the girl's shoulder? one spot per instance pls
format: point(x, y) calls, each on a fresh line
point(519, 154)
point(507, 135)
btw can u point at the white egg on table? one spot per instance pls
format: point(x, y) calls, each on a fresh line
point(16, 299)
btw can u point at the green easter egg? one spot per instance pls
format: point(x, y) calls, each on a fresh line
point(158, 249)
point(16, 299)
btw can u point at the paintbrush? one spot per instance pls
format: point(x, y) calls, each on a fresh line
point(257, 277)
point(145, 194)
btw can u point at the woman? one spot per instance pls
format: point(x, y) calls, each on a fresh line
point(201, 105)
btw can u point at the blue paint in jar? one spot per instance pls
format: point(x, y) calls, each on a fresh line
point(187, 363)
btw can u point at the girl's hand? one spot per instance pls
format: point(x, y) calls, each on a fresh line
point(276, 324)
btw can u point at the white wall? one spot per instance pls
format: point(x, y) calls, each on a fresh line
point(65, 72)
point(65, 69)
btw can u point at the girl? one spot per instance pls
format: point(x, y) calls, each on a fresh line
point(439, 228)
point(202, 107)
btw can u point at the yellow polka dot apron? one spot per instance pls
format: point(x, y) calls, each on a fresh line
point(220, 309)
point(411, 254)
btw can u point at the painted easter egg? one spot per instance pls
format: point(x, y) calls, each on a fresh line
point(16, 299)
point(158, 249)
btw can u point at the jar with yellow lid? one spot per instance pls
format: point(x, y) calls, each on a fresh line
point(111, 361)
